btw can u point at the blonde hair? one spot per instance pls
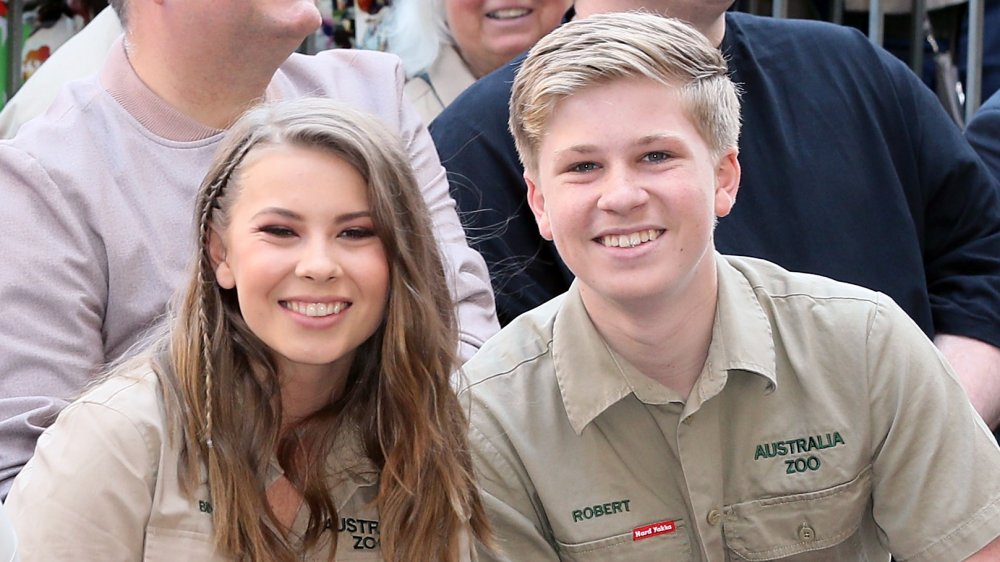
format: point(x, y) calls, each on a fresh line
point(615, 46)
point(398, 395)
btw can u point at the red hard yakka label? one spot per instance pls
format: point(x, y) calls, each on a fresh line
point(652, 530)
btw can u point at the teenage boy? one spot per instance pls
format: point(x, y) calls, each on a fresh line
point(676, 404)
point(852, 170)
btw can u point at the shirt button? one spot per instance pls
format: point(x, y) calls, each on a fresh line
point(714, 516)
point(806, 533)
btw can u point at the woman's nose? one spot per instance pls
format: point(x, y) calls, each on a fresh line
point(318, 262)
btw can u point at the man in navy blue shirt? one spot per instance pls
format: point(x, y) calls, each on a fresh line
point(983, 133)
point(852, 171)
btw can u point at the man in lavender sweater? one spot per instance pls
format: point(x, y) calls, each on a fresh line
point(98, 193)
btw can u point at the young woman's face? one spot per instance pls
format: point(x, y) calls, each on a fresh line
point(491, 32)
point(300, 249)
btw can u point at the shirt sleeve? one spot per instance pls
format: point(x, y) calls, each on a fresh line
point(487, 182)
point(983, 133)
point(468, 278)
point(87, 492)
point(53, 289)
point(520, 532)
point(961, 214)
point(935, 492)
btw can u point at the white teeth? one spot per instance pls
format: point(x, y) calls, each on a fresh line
point(508, 13)
point(315, 308)
point(629, 240)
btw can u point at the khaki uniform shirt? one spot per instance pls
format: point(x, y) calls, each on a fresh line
point(102, 486)
point(824, 427)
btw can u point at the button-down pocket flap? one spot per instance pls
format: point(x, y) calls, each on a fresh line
point(169, 545)
point(666, 546)
point(789, 525)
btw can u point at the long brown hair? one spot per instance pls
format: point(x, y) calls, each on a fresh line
point(222, 389)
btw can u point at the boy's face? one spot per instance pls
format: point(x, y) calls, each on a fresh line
point(629, 191)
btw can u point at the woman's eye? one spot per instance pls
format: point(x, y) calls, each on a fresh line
point(583, 167)
point(279, 231)
point(357, 233)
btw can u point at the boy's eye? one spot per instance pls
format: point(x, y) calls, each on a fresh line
point(279, 231)
point(357, 233)
point(582, 167)
point(656, 156)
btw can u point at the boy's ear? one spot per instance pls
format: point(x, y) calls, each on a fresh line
point(536, 200)
point(727, 182)
point(217, 252)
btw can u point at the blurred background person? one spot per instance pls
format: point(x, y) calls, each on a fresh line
point(446, 45)
point(82, 55)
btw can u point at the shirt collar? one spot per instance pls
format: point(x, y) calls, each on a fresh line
point(592, 377)
point(741, 337)
point(120, 80)
point(350, 467)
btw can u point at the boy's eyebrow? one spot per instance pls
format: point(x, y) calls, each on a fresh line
point(292, 215)
point(657, 137)
point(577, 149)
point(642, 141)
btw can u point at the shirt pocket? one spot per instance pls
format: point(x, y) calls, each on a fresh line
point(814, 526)
point(170, 545)
point(673, 546)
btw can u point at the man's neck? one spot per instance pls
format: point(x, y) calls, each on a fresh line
point(711, 23)
point(212, 89)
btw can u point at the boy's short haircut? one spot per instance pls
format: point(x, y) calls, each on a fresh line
point(608, 47)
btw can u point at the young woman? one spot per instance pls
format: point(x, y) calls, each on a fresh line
point(299, 407)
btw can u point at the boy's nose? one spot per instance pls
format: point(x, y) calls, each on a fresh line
point(622, 193)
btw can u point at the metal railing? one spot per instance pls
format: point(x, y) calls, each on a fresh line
point(15, 44)
point(876, 30)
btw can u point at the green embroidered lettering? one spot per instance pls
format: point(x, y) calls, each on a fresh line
point(600, 510)
point(798, 446)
